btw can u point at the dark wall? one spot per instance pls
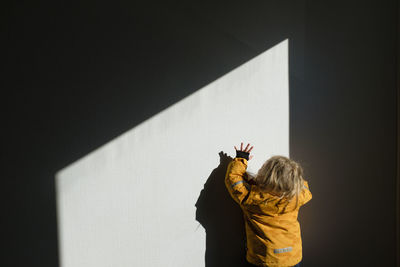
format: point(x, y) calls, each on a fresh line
point(76, 75)
point(348, 133)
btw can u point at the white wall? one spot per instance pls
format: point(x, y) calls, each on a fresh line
point(132, 201)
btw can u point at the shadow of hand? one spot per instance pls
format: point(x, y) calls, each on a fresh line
point(222, 218)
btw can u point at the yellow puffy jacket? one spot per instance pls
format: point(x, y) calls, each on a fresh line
point(272, 229)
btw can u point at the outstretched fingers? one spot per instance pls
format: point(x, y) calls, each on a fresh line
point(247, 149)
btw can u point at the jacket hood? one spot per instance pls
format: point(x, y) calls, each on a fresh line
point(273, 205)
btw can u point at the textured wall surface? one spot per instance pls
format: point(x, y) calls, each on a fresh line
point(132, 202)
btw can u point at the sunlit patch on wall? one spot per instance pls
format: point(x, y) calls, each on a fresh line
point(132, 201)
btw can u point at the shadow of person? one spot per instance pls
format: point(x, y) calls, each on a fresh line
point(222, 219)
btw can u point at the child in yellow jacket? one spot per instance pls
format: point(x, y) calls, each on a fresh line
point(270, 202)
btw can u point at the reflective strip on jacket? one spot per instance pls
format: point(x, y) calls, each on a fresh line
point(272, 229)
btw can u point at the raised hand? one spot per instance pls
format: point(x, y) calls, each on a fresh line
point(246, 150)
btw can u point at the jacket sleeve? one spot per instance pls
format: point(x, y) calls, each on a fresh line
point(237, 186)
point(305, 194)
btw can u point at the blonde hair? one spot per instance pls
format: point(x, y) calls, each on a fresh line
point(280, 176)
